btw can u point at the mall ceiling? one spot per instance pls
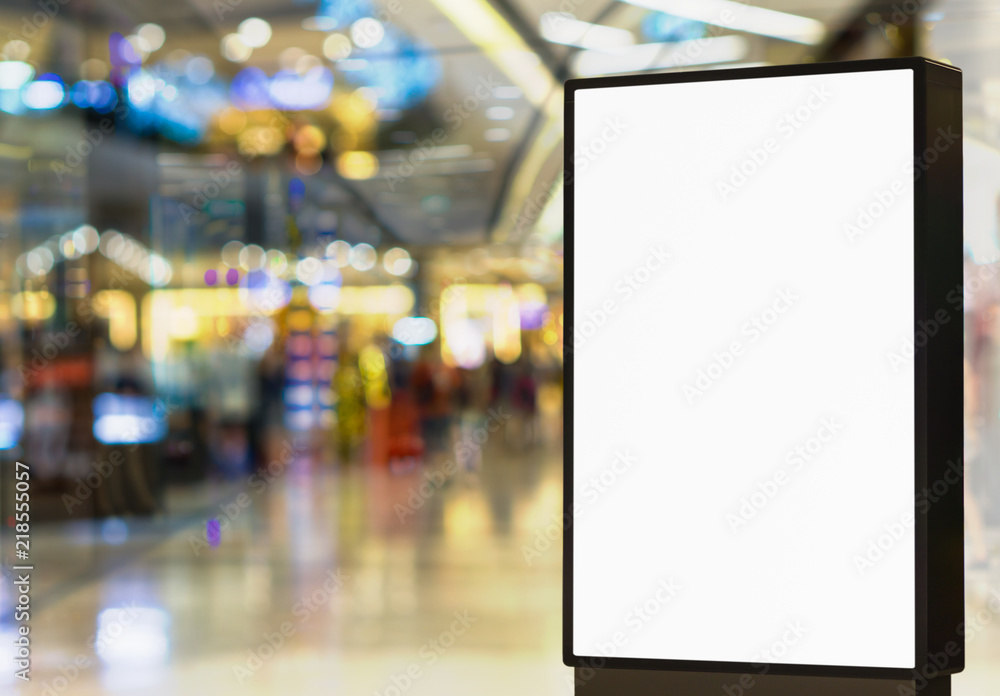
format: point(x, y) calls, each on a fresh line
point(497, 100)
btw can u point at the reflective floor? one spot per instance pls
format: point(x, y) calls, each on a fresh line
point(364, 581)
point(356, 580)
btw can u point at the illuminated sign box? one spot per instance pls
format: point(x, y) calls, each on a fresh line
point(764, 370)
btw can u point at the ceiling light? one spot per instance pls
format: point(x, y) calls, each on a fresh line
point(496, 135)
point(658, 56)
point(255, 32)
point(563, 28)
point(152, 34)
point(499, 113)
point(740, 17)
point(234, 48)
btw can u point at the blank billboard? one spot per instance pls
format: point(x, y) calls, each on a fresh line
point(746, 282)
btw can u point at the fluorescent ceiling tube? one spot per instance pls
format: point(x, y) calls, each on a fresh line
point(563, 28)
point(488, 30)
point(657, 56)
point(740, 17)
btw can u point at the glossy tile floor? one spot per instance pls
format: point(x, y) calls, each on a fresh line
point(325, 583)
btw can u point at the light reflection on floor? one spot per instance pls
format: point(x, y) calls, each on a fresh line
point(353, 582)
point(319, 587)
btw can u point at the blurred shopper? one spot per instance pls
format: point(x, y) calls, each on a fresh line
point(378, 397)
point(232, 399)
point(501, 383)
point(471, 404)
point(525, 403)
point(433, 386)
point(406, 446)
point(48, 417)
point(270, 387)
point(350, 396)
point(271, 377)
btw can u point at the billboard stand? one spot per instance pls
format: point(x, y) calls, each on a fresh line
point(644, 682)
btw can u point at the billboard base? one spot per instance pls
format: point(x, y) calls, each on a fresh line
point(643, 682)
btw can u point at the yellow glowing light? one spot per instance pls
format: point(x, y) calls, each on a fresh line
point(118, 307)
point(309, 139)
point(261, 140)
point(355, 116)
point(364, 100)
point(531, 292)
point(481, 298)
point(373, 374)
point(232, 120)
point(357, 164)
point(550, 337)
point(300, 320)
point(459, 303)
point(376, 300)
point(222, 326)
point(337, 47)
point(183, 323)
point(453, 310)
point(176, 314)
point(33, 306)
point(466, 519)
point(506, 326)
point(169, 313)
point(67, 248)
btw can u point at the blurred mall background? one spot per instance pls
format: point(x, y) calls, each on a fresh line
point(281, 317)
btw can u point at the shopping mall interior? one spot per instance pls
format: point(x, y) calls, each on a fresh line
point(281, 326)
